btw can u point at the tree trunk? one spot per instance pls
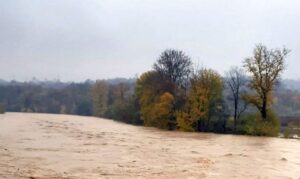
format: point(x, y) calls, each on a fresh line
point(199, 125)
point(264, 108)
point(235, 113)
point(208, 123)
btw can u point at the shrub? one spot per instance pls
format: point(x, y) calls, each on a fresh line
point(2, 109)
point(292, 129)
point(253, 124)
point(184, 122)
point(287, 132)
point(230, 124)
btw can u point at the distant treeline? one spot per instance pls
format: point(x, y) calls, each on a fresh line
point(59, 98)
point(51, 96)
point(48, 97)
point(173, 96)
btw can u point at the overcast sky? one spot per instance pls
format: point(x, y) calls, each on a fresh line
point(74, 40)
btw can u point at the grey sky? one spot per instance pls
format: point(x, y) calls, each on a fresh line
point(80, 39)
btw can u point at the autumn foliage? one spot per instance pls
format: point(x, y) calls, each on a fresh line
point(174, 96)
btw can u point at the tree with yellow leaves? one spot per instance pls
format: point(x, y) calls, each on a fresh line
point(163, 111)
point(150, 90)
point(265, 68)
point(204, 96)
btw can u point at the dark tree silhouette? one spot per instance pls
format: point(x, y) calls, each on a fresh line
point(175, 65)
point(236, 80)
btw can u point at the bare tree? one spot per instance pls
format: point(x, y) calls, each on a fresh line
point(236, 80)
point(175, 65)
point(266, 67)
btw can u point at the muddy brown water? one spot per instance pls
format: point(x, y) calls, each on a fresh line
point(66, 146)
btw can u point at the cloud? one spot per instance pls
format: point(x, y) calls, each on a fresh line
point(76, 39)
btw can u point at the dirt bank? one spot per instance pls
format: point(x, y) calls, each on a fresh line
point(64, 146)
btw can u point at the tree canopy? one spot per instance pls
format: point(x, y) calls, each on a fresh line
point(265, 67)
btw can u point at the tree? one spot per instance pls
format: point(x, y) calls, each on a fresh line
point(205, 96)
point(121, 107)
point(175, 65)
point(99, 96)
point(236, 80)
point(146, 93)
point(162, 111)
point(175, 68)
point(148, 88)
point(155, 100)
point(84, 108)
point(265, 67)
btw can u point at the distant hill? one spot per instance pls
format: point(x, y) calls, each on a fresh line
point(3, 82)
point(291, 84)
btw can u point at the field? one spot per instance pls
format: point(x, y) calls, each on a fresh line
point(65, 146)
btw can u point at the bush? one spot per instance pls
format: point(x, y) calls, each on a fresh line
point(184, 123)
point(287, 132)
point(253, 124)
point(230, 124)
point(2, 109)
point(292, 129)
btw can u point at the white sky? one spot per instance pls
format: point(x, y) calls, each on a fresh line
point(79, 39)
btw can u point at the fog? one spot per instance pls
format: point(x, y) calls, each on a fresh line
point(74, 40)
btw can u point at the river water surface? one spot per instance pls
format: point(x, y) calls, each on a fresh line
point(65, 146)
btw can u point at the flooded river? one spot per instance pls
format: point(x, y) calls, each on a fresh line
point(65, 146)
